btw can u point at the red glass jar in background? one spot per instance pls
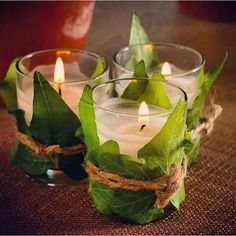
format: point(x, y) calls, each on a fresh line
point(31, 26)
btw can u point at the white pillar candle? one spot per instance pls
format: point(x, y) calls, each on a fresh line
point(133, 128)
point(71, 90)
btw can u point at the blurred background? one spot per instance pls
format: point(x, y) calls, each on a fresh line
point(103, 27)
point(209, 27)
point(31, 26)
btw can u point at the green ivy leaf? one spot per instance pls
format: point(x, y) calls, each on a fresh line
point(194, 114)
point(178, 197)
point(158, 153)
point(139, 36)
point(140, 70)
point(99, 68)
point(154, 92)
point(28, 161)
point(21, 123)
point(148, 90)
point(22, 155)
point(192, 149)
point(136, 86)
point(108, 147)
point(87, 117)
point(137, 32)
point(201, 77)
point(132, 206)
point(108, 158)
point(8, 87)
point(53, 121)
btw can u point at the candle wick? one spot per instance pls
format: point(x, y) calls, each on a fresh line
point(142, 127)
point(59, 89)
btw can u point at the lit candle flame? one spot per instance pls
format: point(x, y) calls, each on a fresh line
point(166, 70)
point(59, 72)
point(143, 113)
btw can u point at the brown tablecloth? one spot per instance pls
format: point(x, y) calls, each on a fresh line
point(29, 207)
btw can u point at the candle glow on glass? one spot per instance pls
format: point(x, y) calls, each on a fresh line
point(166, 70)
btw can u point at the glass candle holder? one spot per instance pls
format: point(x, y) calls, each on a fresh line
point(79, 67)
point(119, 119)
point(179, 64)
point(128, 127)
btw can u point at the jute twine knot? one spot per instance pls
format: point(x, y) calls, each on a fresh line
point(47, 150)
point(164, 186)
point(207, 124)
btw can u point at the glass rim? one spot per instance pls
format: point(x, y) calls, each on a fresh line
point(81, 52)
point(173, 45)
point(184, 95)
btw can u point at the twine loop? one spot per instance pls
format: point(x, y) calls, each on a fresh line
point(47, 150)
point(164, 186)
point(207, 124)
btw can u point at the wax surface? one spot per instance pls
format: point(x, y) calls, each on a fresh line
point(70, 92)
point(123, 126)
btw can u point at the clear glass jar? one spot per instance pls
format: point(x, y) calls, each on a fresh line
point(79, 67)
point(183, 68)
point(131, 125)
